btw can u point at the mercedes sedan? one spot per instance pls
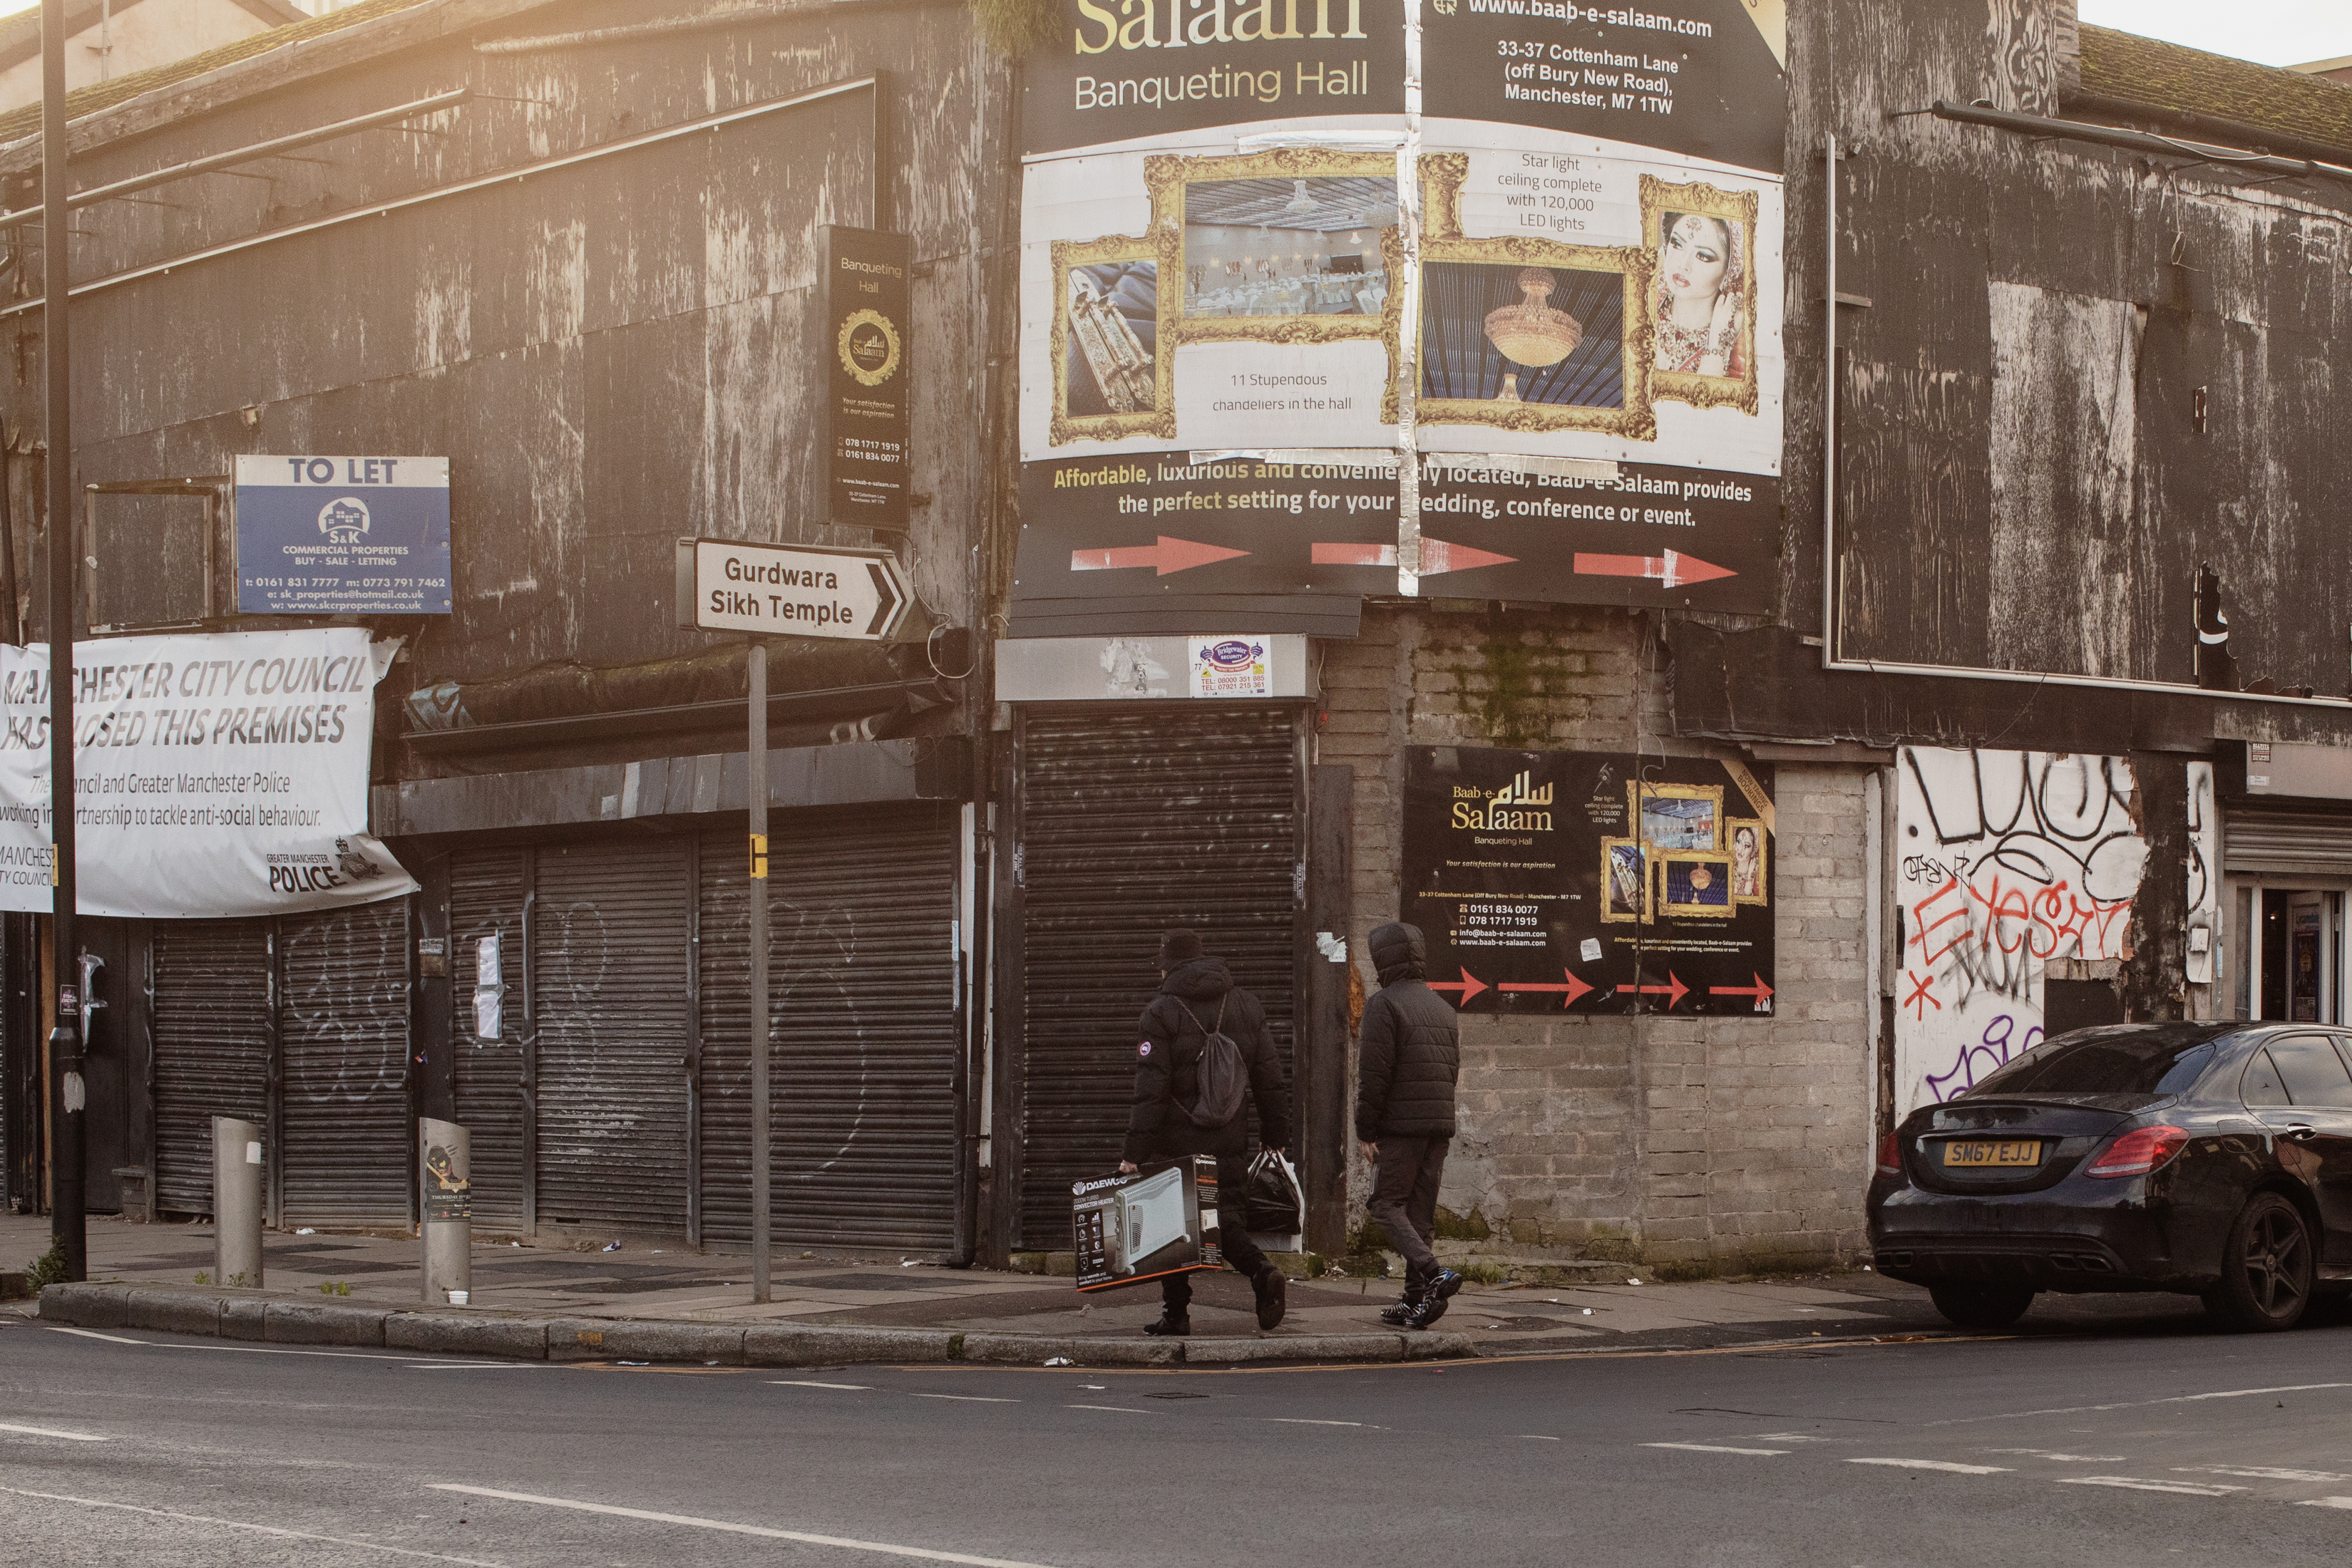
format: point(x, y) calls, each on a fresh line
point(2213, 1159)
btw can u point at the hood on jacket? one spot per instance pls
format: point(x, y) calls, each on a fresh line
point(1398, 952)
point(1198, 980)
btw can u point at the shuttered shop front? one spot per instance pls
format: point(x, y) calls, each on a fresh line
point(1132, 822)
point(342, 1026)
point(864, 1031)
point(612, 979)
point(487, 889)
point(213, 1029)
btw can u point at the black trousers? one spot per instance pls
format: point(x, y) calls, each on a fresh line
point(1404, 1203)
point(1233, 1236)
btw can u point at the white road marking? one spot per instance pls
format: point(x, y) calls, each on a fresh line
point(2133, 1483)
point(2137, 1403)
point(1719, 1449)
point(255, 1529)
point(1538, 1438)
point(1792, 1437)
point(1939, 1465)
point(764, 1532)
point(480, 1366)
point(238, 1349)
point(804, 1382)
point(2260, 1473)
point(1122, 1409)
point(1302, 1421)
point(966, 1398)
point(51, 1432)
point(2063, 1458)
point(2325, 1502)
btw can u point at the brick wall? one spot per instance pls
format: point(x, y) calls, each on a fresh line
point(1724, 1141)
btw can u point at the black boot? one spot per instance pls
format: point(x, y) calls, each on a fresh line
point(1172, 1322)
point(1442, 1286)
point(1273, 1296)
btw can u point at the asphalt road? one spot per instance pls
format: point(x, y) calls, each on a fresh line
point(2156, 1443)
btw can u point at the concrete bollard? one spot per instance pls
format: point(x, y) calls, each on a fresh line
point(238, 1191)
point(446, 1183)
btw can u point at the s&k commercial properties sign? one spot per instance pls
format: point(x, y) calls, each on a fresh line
point(214, 776)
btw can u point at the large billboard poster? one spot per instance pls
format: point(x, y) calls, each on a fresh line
point(1255, 285)
point(1591, 881)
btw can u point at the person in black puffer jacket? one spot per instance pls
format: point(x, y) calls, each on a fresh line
point(1196, 992)
point(1408, 1055)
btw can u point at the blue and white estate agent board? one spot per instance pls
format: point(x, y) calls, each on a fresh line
point(342, 536)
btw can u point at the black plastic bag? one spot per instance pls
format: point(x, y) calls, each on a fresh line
point(1271, 1201)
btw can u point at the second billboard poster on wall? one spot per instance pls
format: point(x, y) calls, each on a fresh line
point(1248, 276)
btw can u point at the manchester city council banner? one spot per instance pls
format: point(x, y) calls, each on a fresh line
point(214, 776)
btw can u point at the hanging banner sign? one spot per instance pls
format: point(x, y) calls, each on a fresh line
point(215, 776)
point(342, 536)
point(1591, 881)
point(869, 341)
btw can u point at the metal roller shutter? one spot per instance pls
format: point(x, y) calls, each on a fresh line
point(343, 1021)
point(2257, 842)
point(213, 1024)
point(485, 899)
point(862, 982)
point(1131, 824)
point(612, 976)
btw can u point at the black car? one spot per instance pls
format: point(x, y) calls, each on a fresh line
point(2213, 1159)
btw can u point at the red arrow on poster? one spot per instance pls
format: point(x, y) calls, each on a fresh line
point(1469, 986)
point(1673, 569)
point(1759, 991)
point(1674, 990)
point(1169, 555)
point(1437, 557)
point(1574, 989)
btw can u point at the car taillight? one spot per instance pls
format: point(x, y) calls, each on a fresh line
point(2139, 1151)
point(1890, 1156)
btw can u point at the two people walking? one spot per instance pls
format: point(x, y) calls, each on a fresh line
point(1410, 1056)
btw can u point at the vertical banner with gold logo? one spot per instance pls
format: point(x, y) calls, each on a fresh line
point(1591, 881)
point(867, 349)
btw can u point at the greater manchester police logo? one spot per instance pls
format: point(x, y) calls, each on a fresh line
point(868, 346)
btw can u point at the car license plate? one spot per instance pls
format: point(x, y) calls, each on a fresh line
point(1980, 1153)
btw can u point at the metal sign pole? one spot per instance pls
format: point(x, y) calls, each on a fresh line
point(758, 790)
point(66, 1221)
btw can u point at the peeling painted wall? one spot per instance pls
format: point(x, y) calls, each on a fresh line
point(2025, 482)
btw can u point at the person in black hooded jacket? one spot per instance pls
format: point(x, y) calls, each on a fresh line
point(1408, 1057)
point(1197, 994)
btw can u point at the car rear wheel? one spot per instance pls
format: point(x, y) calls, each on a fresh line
point(2266, 1268)
point(1982, 1306)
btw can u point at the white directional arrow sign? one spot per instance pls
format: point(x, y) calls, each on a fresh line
point(787, 592)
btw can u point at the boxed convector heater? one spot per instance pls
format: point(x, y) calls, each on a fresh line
point(1141, 1226)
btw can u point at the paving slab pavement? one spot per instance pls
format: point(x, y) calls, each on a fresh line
point(884, 1289)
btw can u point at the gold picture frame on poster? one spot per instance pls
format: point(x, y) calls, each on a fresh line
point(1695, 884)
point(1101, 335)
point(1442, 175)
point(1676, 818)
point(1624, 869)
point(1169, 177)
point(1749, 846)
point(1632, 420)
point(1676, 351)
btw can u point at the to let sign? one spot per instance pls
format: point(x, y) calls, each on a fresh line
point(781, 590)
point(342, 536)
point(868, 350)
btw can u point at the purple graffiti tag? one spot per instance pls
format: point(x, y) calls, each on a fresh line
point(1992, 1052)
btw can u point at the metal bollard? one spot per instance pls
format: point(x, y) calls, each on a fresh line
point(446, 1182)
point(237, 1173)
